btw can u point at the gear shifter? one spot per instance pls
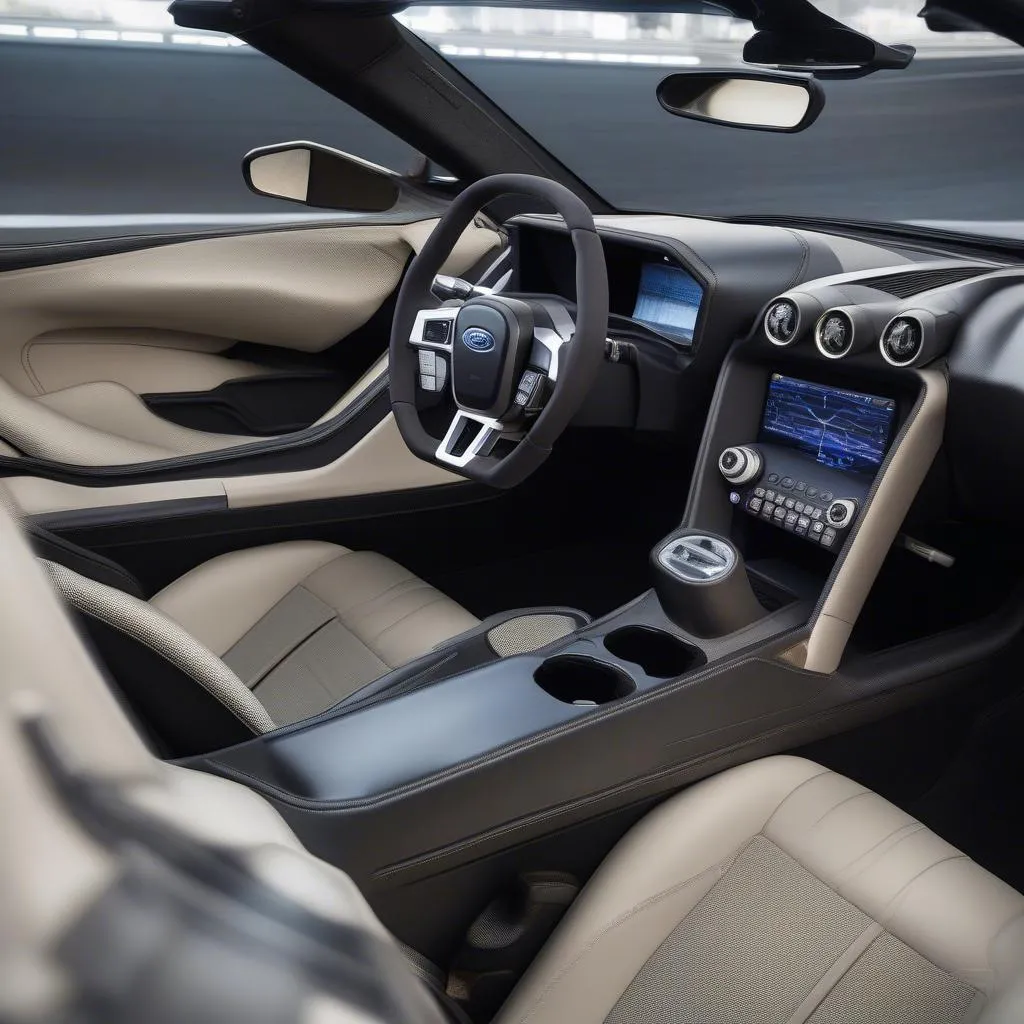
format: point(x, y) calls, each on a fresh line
point(702, 584)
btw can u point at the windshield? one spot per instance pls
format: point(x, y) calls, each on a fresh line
point(938, 143)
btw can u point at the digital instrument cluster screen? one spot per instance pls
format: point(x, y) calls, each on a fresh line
point(668, 300)
point(840, 429)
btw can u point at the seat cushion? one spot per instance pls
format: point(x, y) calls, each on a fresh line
point(306, 623)
point(778, 892)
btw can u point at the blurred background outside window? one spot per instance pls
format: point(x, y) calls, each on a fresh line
point(115, 121)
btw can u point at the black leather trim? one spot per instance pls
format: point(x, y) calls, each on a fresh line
point(86, 563)
point(271, 404)
point(117, 515)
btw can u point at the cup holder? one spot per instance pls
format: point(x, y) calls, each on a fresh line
point(658, 653)
point(574, 679)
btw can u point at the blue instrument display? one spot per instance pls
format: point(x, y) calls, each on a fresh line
point(668, 300)
point(841, 429)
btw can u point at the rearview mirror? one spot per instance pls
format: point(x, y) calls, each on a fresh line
point(315, 175)
point(764, 101)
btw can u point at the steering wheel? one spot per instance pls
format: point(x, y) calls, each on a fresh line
point(516, 367)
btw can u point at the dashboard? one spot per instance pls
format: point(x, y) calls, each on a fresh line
point(840, 329)
point(652, 292)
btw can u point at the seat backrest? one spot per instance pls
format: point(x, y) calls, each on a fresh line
point(188, 698)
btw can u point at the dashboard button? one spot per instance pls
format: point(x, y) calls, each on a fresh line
point(826, 496)
point(773, 478)
point(803, 524)
point(754, 505)
point(759, 492)
point(767, 509)
point(799, 507)
point(769, 495)
point(812, 492)
point(817, 528)
point(787, 482)
point(791, 503)
point(828, 537)
point(816, 513)
point(791, 520)
point(800, 486)
point(779, 513)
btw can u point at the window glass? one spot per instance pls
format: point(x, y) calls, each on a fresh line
point(116, 122)
point(936, 142)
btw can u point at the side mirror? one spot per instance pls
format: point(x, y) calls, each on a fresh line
point(764, 101)
point(315, 175)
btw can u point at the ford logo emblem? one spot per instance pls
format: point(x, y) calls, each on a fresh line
point(477, 339)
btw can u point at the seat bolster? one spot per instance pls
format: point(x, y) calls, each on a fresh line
point(915, 884)
point(220, 600)
point(649, 882)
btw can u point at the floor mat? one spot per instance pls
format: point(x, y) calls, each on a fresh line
point(595, 577)
point(978, 803)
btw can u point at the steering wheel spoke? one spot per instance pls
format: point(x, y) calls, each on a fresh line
point(469, 437)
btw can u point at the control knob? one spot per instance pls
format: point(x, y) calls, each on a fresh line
point(740, 465)
point(840, 513)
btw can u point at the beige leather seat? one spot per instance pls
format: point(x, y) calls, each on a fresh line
point(284, 631)
point(305, 623)
point(774, 892)
point(780, 892)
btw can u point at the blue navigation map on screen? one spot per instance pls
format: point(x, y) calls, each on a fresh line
point(668, 300)
point(841, 429)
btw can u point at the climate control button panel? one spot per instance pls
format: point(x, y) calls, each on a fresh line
point(793, 493)
point(818, 523)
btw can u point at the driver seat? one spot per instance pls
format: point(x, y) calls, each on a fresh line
point(271, 635)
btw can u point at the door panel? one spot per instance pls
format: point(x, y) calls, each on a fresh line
point(379, 463)
point(140, 360)
point(81, 342)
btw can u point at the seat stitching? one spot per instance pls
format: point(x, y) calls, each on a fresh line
point(782, 803)
point(408, 615)
point(911, 829)
point(855, 796)
point(411, 578)
point(893, 904)
point(837, 970)
point(721, 868)
point(387, 597)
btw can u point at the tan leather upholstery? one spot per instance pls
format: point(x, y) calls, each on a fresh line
point(306, 623)
point(782, 823)
point(82, 340)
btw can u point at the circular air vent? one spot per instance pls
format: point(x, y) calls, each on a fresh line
point(902, 340)
point(782, 321)
point(834, 334)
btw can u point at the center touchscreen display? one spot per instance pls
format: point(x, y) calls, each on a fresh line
point(841, 429)
point(668, 300)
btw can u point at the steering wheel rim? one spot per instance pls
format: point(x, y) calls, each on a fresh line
point(576, 359)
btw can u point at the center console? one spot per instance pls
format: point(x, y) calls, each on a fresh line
point(819, 450)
